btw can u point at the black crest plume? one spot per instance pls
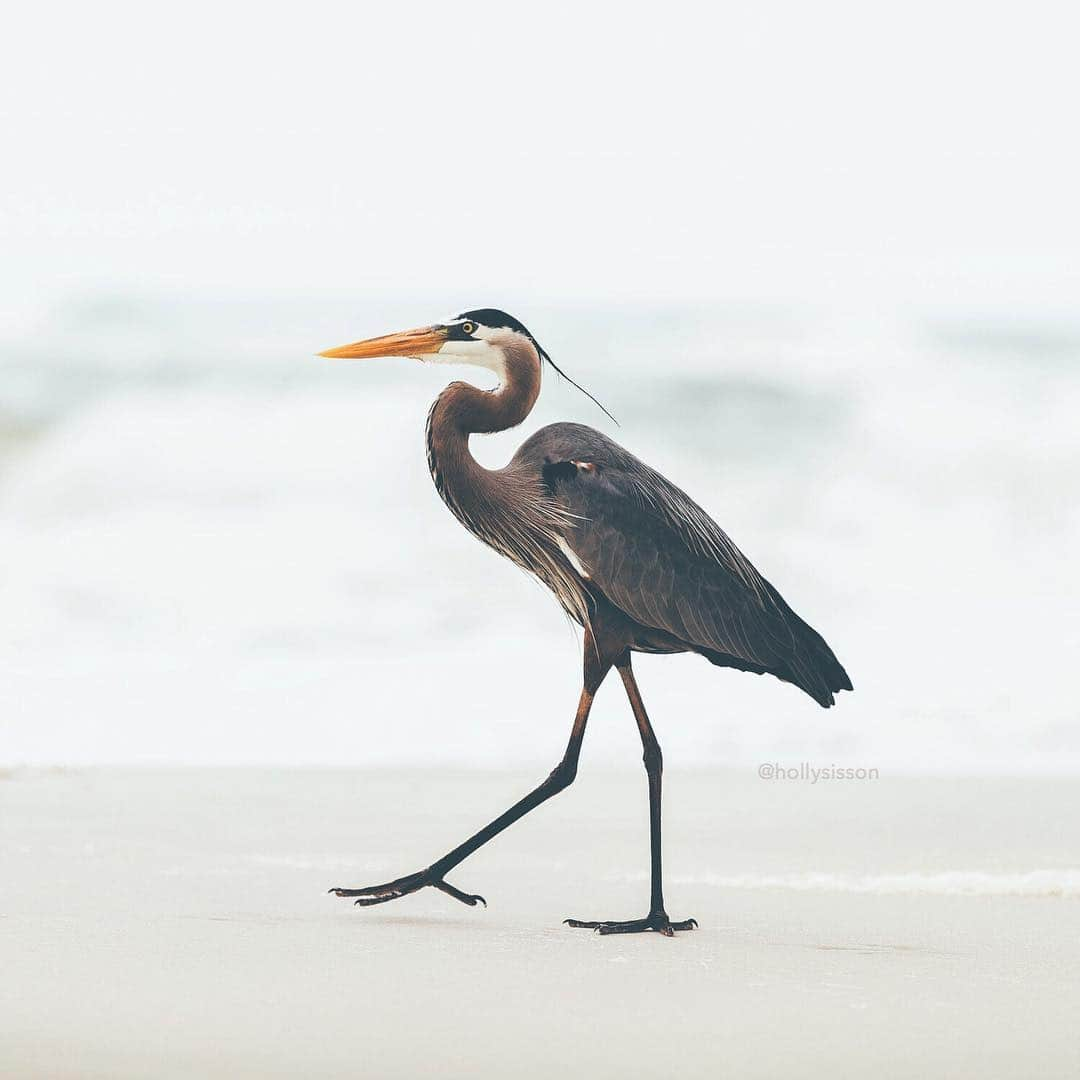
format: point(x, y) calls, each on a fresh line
point(494, 318)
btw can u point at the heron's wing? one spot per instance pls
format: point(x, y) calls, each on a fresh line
point(658, 557)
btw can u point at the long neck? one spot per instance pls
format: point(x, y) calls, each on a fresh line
point(462, 410)
point(505, 508)
point(471, 411)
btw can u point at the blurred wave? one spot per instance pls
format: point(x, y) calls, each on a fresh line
point(219, 549)
point(1063, 883)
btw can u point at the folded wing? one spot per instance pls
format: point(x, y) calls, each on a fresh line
point(657, 556)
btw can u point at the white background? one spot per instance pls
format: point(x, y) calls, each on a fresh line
point(821, 260)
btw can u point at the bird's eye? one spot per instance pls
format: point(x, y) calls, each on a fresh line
point(468, 327)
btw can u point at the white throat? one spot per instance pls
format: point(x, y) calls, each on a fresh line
point(484, 349)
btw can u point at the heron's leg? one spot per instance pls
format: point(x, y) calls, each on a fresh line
point(657, 919)
point(561, 777)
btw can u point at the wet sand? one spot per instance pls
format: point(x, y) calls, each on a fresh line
point(176, 924)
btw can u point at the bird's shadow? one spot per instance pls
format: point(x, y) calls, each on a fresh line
point(418, 921)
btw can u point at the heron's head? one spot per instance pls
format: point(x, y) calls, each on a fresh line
point(486, 338)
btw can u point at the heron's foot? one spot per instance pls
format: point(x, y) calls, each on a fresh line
point(394, 890)
point(657, 921)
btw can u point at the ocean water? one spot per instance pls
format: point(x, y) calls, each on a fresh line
point(219, 549)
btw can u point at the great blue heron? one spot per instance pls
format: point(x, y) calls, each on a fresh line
point(627, 554)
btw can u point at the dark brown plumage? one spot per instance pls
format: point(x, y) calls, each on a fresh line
point(628, 555)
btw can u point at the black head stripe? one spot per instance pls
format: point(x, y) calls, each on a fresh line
point(456, 332)
point(494, 318)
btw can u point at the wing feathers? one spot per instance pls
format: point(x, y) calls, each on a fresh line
point(660, 558)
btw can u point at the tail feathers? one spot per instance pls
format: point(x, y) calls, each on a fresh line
point(813, 667)
point(821, 676)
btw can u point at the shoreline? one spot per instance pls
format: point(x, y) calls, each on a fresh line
point(175, 922)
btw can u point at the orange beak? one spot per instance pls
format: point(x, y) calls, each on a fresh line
point(423, 341)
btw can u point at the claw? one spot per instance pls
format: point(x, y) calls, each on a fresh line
point(661, 924)
point(369, 901)
point(394, 890)
point(466, 898)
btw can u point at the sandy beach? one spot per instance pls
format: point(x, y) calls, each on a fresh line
point(176, 923)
